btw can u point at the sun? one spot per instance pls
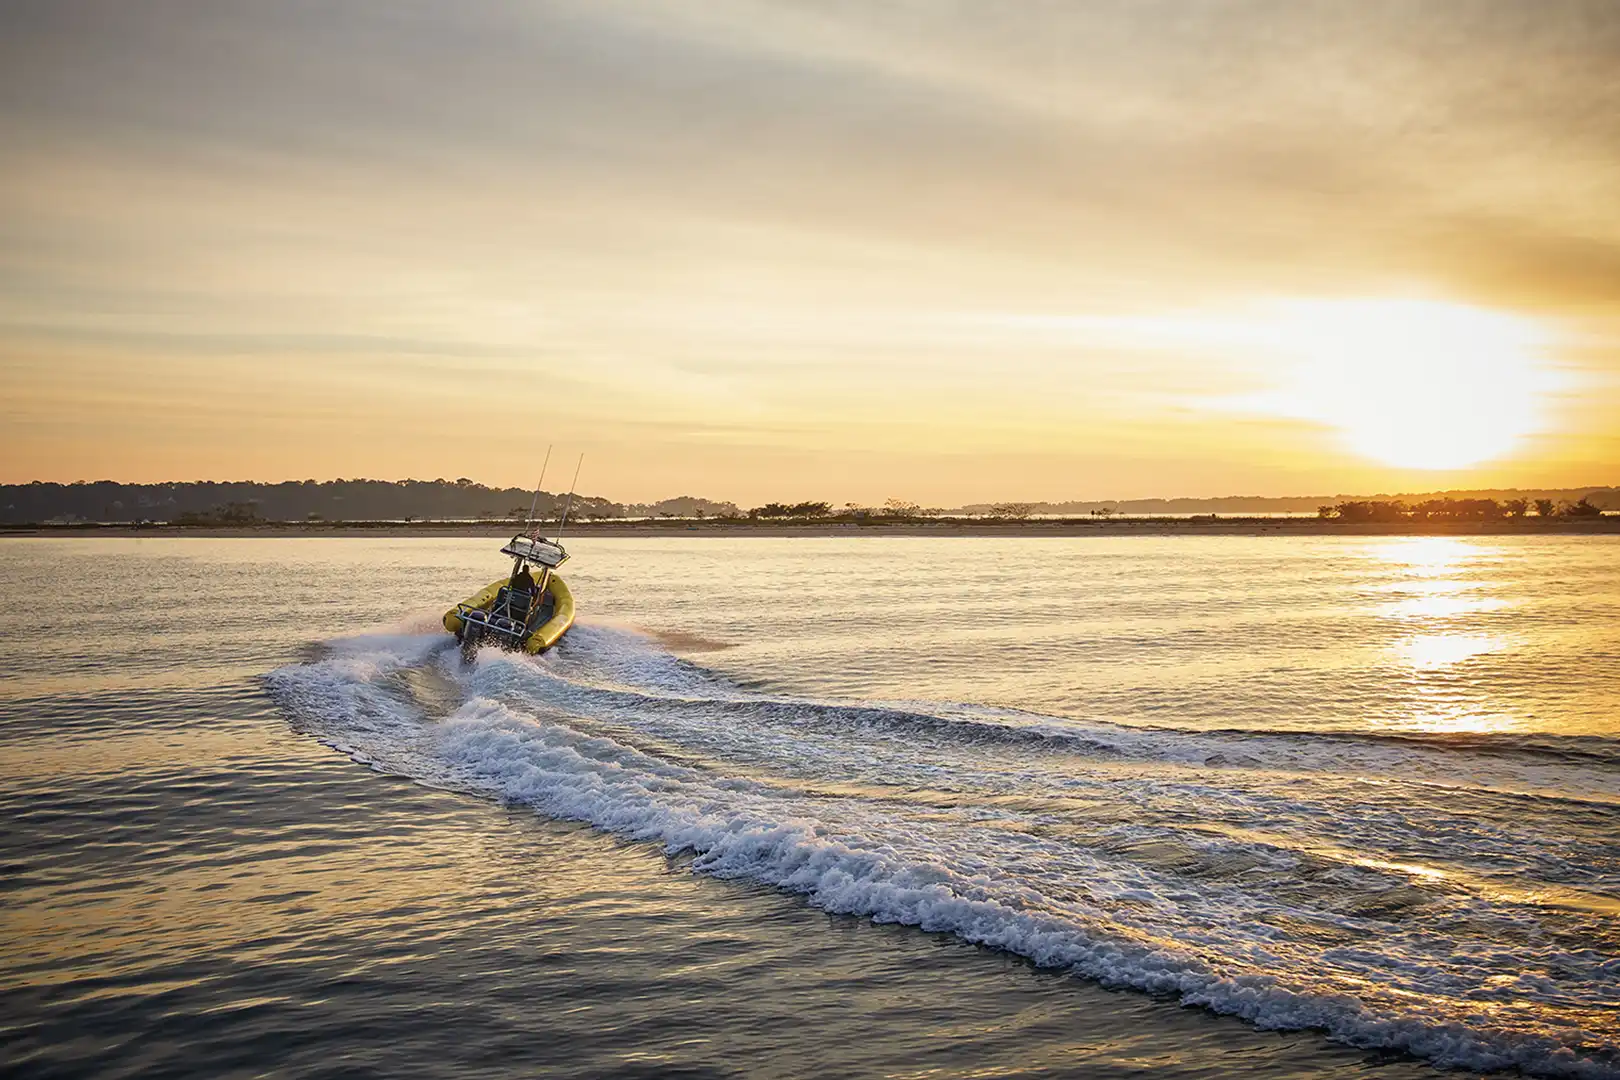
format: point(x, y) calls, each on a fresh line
point(1413, 383)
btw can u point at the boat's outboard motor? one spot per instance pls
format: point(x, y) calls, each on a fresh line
point(471, 635)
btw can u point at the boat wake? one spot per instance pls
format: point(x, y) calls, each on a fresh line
point(1454, 899)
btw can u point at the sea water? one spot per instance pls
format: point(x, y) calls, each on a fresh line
point(847, 806)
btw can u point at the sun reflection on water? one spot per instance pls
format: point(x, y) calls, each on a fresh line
point(1442, 598)
point(1431, 651)
point(1461, 720)
point(1426, 556)
point(1439, 607)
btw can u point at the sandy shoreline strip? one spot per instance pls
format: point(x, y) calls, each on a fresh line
point(1608, 526)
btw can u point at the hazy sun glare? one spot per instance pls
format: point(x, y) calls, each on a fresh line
point(1407, 383)
point(1417, 384)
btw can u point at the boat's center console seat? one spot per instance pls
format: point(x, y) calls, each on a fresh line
point(513, 603)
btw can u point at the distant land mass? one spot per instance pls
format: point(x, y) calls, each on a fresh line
point(1606, 498)
point(310, 500)
point(243, 502)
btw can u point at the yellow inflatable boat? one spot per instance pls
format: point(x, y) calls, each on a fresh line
point(519, 611)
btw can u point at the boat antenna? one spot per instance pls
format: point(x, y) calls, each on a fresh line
point(570, 504)
point(529, 521)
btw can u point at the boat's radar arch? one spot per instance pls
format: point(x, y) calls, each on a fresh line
point(533, 549)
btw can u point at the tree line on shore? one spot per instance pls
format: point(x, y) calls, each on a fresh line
point(246, 503)
point(1605, 498)
point(1368, 510)
point(891, 510)
point(238, 503)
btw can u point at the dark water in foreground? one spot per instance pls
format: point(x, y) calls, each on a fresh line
point(1365, 787)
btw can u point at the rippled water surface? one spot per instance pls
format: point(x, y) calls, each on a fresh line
point(786, 807)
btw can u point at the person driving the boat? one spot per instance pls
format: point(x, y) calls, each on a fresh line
point(522, 579)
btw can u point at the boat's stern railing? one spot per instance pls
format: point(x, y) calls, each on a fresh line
point(494, 624)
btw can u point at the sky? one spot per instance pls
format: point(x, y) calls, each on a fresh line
point(944, 252)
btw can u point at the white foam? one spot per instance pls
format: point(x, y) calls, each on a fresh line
point(745, 833)
point(602, 661)
point(1281, 943)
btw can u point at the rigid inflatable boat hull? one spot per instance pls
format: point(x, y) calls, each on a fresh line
point(545, 635)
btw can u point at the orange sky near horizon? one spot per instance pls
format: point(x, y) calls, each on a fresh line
point(760, 250)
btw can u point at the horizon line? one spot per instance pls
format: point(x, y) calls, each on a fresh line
point(704, 498)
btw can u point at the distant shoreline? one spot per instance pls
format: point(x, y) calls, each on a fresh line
point(1231, 526)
